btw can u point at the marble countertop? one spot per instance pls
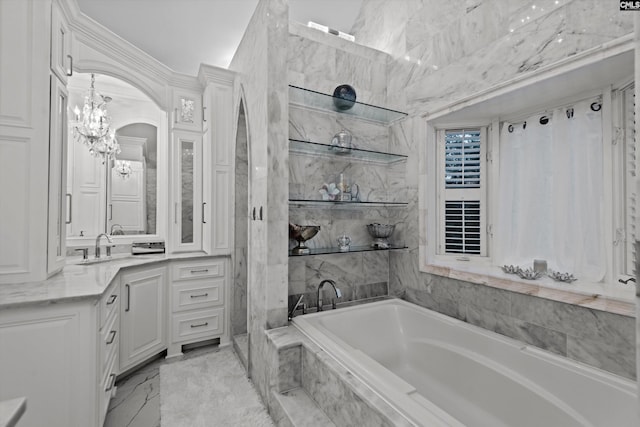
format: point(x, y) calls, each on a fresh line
point(78, 281)
point(11, 410)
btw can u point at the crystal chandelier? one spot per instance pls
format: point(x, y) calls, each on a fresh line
point(93, 127)
point(122, 168)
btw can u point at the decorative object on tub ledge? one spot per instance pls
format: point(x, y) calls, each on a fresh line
point(343, 242)
point(341, 142)
point(561, 277)
point(329, 191)
point(354, 190)
point(540, 265)
point(302, 233)
point(344, 97)
point(510, 269)
point(529, 274)
point(380, 233)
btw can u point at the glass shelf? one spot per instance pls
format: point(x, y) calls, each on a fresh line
point(340, 204)
point(321, 101)
point(316, 148)
point(352, 249)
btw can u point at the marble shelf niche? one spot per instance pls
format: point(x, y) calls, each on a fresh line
point(322, 102)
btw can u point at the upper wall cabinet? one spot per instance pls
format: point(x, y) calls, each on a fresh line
point(186, 192)
point(61, 59)
point(187, 110)
point(58, 215)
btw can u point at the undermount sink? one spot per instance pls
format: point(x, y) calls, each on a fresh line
point(91, 261)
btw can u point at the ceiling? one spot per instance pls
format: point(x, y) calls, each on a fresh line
point(184, 33)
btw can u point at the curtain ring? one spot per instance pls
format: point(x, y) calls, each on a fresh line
point(596, 106)
point(569, 113)
point(544, 120)
point(510, 128)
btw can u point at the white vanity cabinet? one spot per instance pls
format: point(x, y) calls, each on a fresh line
point(198, 293)
point(142, 314)
point(63, 358)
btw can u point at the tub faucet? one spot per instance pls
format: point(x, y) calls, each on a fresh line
point(336, 290)
point(98, 244)
point(295, 307)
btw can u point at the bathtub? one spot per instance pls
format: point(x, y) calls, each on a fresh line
point(440, 371)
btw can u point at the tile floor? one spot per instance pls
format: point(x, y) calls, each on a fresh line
point(137, 400)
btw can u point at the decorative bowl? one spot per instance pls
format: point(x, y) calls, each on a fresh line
point(344, 97)
point(302, 233)
point(510, 269)
point(561, 277)
point(380, 233)
point(529, 274)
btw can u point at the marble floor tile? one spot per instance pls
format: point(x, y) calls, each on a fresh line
point(137, 400)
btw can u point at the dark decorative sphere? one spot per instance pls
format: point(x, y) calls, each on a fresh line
point(344, 97)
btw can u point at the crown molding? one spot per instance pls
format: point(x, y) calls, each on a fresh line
point(211, 74)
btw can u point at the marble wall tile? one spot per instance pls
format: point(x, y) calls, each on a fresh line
point(289, 368)
point(529, 333)
point(619, 359)
point(371, 290)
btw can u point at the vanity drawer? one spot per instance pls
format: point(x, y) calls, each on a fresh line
point(197, 294)
point(197, 269)
point(202, 324)
point(109, 338)
point(109, 303)
point(107, 388)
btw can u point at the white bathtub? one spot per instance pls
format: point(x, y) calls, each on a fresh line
point(439, 371)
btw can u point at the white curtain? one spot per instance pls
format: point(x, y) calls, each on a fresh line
point(551, 192)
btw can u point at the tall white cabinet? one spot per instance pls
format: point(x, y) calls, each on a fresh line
point(25, 85)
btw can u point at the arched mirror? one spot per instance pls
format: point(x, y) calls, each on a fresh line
point(118, 196)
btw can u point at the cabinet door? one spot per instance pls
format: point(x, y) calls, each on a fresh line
point(61, 60)
point(142, 314)
point(187, 110)
point(187, 192)
point(56, 245)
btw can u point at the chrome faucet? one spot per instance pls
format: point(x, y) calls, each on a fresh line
point(98, 244)
point(336, 290)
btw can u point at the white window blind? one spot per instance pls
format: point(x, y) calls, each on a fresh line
point(462, 193)
point(630, 166)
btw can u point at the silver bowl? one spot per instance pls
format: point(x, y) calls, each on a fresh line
point(561, 277)
point(302, 233)
point(529, 274)
point(380, 234)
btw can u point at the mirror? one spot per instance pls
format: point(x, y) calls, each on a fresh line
point(118, 197)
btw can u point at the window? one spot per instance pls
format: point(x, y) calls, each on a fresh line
point(625, 217)
point(539, 187)
point(462, 201)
